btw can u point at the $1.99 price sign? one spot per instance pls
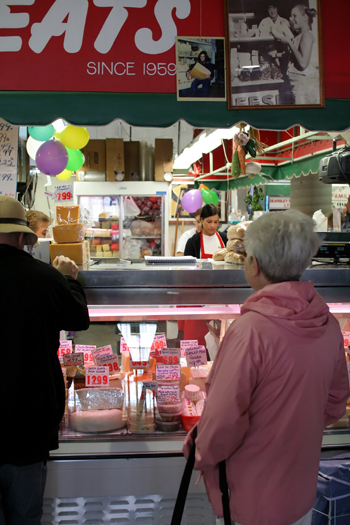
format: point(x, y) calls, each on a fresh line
point(63, 193)
point(97, 376)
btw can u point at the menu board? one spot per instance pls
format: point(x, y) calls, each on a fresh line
point(8, 159)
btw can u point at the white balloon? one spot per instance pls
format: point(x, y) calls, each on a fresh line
point(32, 146)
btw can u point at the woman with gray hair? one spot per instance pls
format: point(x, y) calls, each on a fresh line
point(279, 378)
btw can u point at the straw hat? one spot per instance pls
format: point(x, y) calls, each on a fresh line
point(13, 218)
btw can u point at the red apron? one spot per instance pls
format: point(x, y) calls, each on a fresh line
point(204, 255)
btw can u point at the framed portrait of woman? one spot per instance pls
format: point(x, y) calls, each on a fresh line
point(274, 54)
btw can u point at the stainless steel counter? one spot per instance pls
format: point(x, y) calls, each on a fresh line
point(207, 283)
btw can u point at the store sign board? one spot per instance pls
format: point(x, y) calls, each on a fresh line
point(98, 45)
point(279, 203)
point(8, 158)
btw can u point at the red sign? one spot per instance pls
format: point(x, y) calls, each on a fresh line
point(99, 45)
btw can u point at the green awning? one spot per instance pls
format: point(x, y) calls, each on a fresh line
point(268, 173)
point(160, 110)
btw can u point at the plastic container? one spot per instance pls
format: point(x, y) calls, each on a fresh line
point(168, 418)
point(188, 422)
point(164, 426)
point(169, 408)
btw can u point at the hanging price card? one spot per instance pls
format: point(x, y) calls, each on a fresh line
point(102, 350)
point(64, 348)
point(110, 360)
point(187, 343)
point(168, 393)
point(87, 351)
point(63, 193)
point(168, 372)
point(8, 158)
point(171, 356)
point(346, 336)
point(97, 376)
point(73, 359)
point(196, 356)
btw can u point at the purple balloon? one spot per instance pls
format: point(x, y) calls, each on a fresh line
point(51, 158)
point(192, 200)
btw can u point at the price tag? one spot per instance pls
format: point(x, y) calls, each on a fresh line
point(138, 365)
point(171, 356)
point(346, 336)
point(110, 360)
point(102, 350)
point(134, 343)
point(8, 158)
point(64, 348)
point(168, 393)
point(73, 359)
point(196, 356)
point(149, 385)
point(63, 193)
point(168, 372)
point(87, 351)
point(97, 376)
point(190, 343)
point(159, 342)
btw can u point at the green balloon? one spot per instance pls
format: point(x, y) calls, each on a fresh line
point(209, 196)
point(75, 159)
point(41, 133)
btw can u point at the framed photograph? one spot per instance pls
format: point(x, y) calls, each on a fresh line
point(200, 71)
point(177, 191)
point(274, 53)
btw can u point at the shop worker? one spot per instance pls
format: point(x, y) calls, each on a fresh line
point(36, 302)
point(279, 378)
point(39, 222)
point(203, 244)
point(180, 249)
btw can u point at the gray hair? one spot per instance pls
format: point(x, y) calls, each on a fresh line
point(284, 243)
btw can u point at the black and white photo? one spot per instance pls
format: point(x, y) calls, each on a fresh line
point(274, 53)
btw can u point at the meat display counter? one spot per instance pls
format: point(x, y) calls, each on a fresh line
point(152, 464)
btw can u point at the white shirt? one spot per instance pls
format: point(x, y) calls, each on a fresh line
point(181, 243)
point(281, 25)
point(211, 243)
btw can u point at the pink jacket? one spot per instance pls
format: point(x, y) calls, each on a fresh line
point(279, 378)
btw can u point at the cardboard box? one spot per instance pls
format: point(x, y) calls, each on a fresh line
point(163, 158)
point(114, 158)
point(95, 156)
point(132, 160)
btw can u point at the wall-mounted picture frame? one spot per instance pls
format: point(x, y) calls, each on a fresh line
point(274, 54)
point(200, 68)
point(177, 191)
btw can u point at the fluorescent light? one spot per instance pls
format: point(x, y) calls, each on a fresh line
point(206, 142)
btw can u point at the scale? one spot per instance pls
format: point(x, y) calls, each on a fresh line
point(335, 246)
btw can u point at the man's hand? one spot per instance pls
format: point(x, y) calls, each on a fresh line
point(66, 266)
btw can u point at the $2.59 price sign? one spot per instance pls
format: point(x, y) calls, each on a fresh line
point(63, 193)
point(97, 376)
point(64, 348)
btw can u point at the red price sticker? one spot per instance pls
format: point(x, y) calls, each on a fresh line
point(97, 376)
point(139, 364)
point(108, 360)
point(168, 394)
point(64, 348)
point(168, 372)
point(171, 356)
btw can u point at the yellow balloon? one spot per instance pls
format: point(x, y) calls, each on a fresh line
point(74, 137)
point(64, 175)
point(57, 135)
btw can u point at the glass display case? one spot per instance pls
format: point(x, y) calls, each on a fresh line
point(150, 463)
point(125, 220)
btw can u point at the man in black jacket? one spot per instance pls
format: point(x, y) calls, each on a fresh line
point(36, 302)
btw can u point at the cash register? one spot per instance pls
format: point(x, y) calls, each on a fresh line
point(335, 246)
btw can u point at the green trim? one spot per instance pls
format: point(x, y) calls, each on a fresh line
point(274, 190)
point(159, 110)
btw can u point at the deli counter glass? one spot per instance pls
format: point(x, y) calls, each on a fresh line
point(124, 220)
